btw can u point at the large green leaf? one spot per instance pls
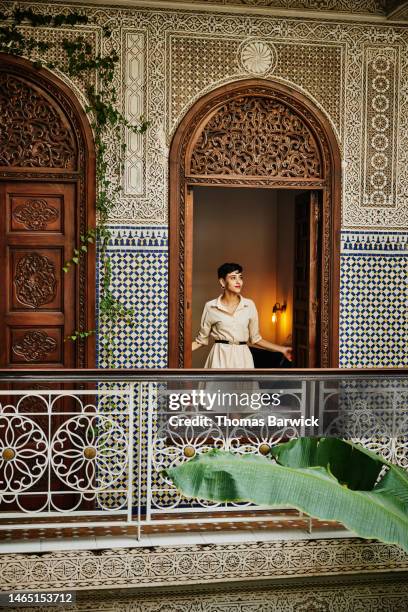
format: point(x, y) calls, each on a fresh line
point(354, 466)
point(395, 485)
point(225, 477)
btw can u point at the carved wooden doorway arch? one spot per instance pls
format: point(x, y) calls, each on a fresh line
point(47, 196)
point(253, 133)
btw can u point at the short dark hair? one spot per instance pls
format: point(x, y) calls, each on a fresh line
point(227, 268)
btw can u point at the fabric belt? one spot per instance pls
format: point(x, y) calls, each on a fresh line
point(228, 342)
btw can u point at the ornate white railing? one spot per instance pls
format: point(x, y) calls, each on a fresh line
point(66, 452)
point(91, 446)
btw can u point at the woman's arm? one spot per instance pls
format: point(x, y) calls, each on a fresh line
point(256, 339)
point(204, 333)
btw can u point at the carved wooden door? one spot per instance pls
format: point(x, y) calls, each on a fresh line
point(47, 191)
point(306, 280)
point(47, 200)
point(37, 310)
point(37, 300)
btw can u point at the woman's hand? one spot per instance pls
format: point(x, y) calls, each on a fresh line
point(287, 352)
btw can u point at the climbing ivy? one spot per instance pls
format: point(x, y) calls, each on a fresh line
point(76, 58)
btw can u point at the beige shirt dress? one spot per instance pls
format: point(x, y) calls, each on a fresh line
point(241, 326)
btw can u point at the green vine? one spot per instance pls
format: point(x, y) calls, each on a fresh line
point(76, 58)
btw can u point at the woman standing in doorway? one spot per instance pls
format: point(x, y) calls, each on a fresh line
point(232, 321)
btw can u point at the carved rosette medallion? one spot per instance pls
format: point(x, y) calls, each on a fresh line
point(257, 57)
point(35, 214)
point(35, 280)
point(35, 346)
point(33, 133)
point(256, 136)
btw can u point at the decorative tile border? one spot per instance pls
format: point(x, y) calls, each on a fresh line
point(138, 238)
point(362, 242)
point(187, 565)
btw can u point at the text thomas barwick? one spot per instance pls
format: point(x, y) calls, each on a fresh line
point(223, 421)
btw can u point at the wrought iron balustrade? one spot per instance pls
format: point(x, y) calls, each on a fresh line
point(90, 446)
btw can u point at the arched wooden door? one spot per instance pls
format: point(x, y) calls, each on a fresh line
point(47, 199)
point(257, 133)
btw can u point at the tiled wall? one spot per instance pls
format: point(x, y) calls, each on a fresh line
point(374, 299)
point(139, 257)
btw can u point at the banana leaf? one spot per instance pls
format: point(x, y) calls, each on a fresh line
point(352, 465)
point(299, 481)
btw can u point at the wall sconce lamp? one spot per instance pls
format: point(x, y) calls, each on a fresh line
point(277, 308)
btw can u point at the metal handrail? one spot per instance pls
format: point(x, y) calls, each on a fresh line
point(194, 374)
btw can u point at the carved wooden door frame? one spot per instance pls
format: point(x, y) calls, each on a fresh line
point(193, 162)
point(80, 173)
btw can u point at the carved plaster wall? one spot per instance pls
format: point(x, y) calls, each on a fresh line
point(347, 6)
point(347, 596)
point(173, 566)
point(368, 7)
point(357, 73)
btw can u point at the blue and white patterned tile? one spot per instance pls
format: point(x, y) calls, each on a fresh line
point(139, 258)
point(376, 243)
point(374, 299)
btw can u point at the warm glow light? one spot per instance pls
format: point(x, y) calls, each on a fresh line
point(277, 308)
point(274, 317)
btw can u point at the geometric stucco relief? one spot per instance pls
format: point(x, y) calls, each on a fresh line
point(77, 82)
point(133, 108)
point(173, 566)
point(181, 55)
point(349, 6)
point(326, 61)
point(380, 126)
point(197, 64)
point(380, 593)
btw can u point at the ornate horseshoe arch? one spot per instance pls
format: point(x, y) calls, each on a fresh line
point(47, 194)
point(253, 133)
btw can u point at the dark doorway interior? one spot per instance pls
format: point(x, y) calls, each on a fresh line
point(267, 232)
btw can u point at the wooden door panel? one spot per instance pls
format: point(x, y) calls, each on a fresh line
point(42, 346)
point(37, 282)
point(37, 300)
point(35, 212)
point(306, 280)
